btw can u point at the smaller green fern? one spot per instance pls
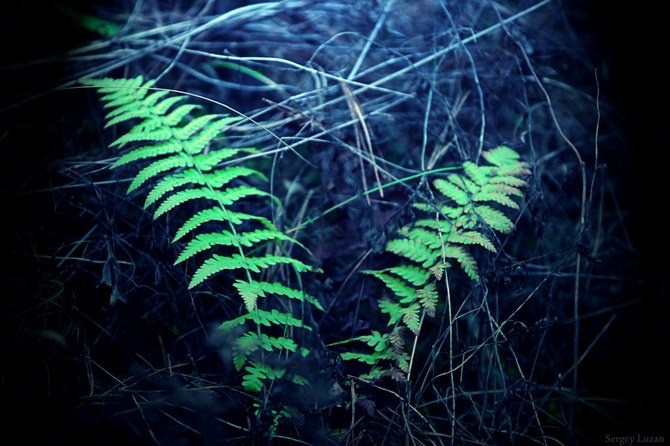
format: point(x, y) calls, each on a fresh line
point(465, 218)
point(388, 356)
point(461, 221)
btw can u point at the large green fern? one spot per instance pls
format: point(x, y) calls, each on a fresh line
point(179, 154)
point(471, 210)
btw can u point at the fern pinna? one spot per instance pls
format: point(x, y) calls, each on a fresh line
point(472, 208)
point(178, 153)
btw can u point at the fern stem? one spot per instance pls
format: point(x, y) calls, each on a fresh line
point(353, 409)
point(416, 340)
point(451, 355)
point(452, 382)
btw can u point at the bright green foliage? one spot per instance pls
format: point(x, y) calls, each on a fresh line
point(251, 341)
point(261, 289)
point(474, 204)
point(267, 318)
point(257, 373)
point(388, 354)
point(217, 263)
point(428, 298)
point(462, 220)
point(179, 153)
point(88, 22)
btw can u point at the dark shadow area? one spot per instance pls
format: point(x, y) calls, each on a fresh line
point(631, 363)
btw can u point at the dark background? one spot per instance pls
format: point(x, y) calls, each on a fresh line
point(629, 36)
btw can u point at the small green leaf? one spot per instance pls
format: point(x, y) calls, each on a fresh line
point(411, 317)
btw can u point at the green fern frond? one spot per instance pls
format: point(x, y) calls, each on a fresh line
point(147, 152)
point(162, 107)
point(415, 275)
point(450, 212)
point(257, 373)
point(204, 163)
point(127, 101)
point(502, 156)
point(172, 119)
point(300, 380)
point(502, 199)
point(217, 215)
point(158, 167)
point(146, 108)
point(117, 92)
point(195, 144)
point(249, 291)
point(377, 340)
point(454, 213)
point(218, 263)
point(195, 125)
point(470, 238)
point(495, 219)
point(519, 170)
point(251, 341)
point(501, 188)
point(108, 87)
point(385, 350)
point(411, 317)
point(465, 182)
point(156, 118)
point(254, 377)
point(222, 197)
point(157, 134)
point(438, 269)
point(243, 347)
point(266, 318)
point(481, 175)
point(427, 296)
point(132, 113)
point(430, 239)
point(221, 177)
point(442, 225)
point(393, 309)
point(464, 258)
point(207, 161)
point(172, 182)
point(395, 284)
point(365, 358)
point(453, 189)
point(277, 318)
point(282, 290)
point(413, 250)
point(269, 343)
point(203, 242)
point(513, 181)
